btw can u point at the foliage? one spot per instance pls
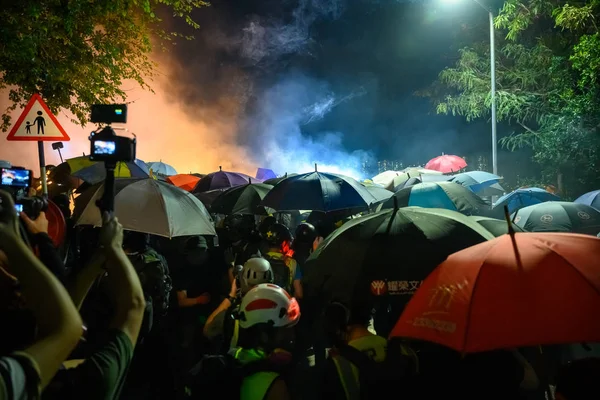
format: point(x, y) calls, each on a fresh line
point(77, 53)
point(548, 88)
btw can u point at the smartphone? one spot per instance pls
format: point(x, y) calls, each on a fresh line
point(19, 208)
point(16, 178)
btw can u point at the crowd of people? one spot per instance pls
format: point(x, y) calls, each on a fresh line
point(116, 314)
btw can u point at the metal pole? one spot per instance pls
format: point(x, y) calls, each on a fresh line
point(42, 168)
point(493, 94)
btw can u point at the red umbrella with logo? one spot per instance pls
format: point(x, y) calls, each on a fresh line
point(491, 296)
point(446, 163)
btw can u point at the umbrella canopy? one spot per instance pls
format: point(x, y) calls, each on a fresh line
point(524, 197)
point(421, 171)
point(184, 181)
point(385, 178)
point(446, 163)
point(483, 299)
point(559, 216)
point(447, 195)
point(159, 167)
point(265, 173)
point(148, 206)
point(496, 227)
point(381, 194)
point(479, 182)
point(275, 181)
point(318, 191)
point(207, 198)
point(94, 172)
point(390, 252)
point(591, 199)
point(240, 199)
point(223, 180)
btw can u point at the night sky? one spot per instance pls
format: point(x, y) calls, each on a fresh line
point(377, 52)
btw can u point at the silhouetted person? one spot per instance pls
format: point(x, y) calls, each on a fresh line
point(41, 122)
point(28, 128)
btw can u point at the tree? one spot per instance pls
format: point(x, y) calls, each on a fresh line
point(77, 53)
point(547, 86)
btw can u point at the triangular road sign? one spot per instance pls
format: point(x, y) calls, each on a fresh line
point(37, 123)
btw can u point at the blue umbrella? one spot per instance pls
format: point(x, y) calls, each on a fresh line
point(318, 191)
point(479, 181)
point(159, 167)
point(591, 199)
point(264, 173)
point(521, 198)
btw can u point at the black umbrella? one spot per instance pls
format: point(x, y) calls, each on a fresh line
point(496, 227)
point(207, 198)
point(390, 252)
point(240, 199)
point(275, 181)
point(559, 216)
point(321, 191)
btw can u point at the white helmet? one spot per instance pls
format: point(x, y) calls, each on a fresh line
point(256, 271)
point(268, 304)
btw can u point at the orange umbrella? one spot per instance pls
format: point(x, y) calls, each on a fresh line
point(482, 298)
point(183, 181)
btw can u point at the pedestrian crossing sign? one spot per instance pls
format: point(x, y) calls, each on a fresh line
point(37, 123)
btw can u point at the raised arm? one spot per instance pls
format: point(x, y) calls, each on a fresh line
point(59, 324)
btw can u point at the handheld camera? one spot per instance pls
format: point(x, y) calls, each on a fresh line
point(17, 182)
point(107, 147)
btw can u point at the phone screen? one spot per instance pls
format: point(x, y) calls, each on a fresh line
point(15, 177)
point(104, 147)
point(19, 208)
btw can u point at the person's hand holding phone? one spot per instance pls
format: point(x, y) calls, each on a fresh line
point(111, 233)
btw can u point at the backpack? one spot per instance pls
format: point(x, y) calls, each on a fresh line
point(156, 282)
point(375, 378)
point(281, 271)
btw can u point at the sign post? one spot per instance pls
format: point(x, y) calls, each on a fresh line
point(37, 124)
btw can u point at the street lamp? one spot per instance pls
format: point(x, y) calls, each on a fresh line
point(492, 83)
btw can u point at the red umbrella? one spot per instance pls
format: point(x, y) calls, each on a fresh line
point(482, 298)
point(446, 163)
point(184, 181)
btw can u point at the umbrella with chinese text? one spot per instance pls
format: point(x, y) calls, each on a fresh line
point(489, 297)
point(390, 252)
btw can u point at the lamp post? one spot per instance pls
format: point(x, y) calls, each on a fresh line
point(492, 84)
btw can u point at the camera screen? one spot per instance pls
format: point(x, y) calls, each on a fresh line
point(15, 177)
point(102, 147)
point(19, 208)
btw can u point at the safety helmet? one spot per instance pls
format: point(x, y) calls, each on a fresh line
point(306, 233)
point(268, 304)
point(278, 234)
point(256, 270)
point(265, 225)
point(238, 226)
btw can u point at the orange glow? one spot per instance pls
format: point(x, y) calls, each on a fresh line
point(190, 137)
